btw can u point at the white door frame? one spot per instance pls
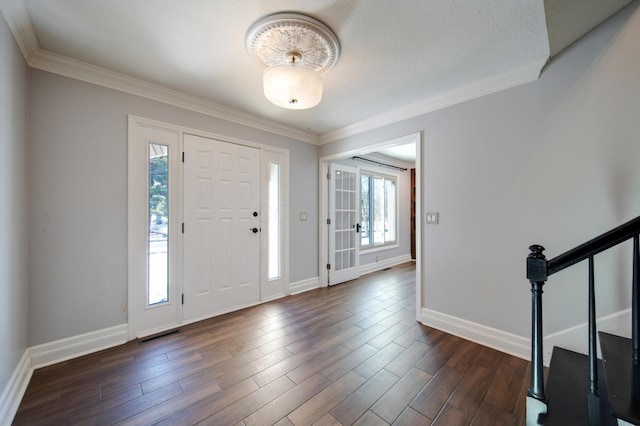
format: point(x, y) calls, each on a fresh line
point(137, 228)
point(323, 244)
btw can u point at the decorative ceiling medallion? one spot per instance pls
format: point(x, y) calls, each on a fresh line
point(273, 39)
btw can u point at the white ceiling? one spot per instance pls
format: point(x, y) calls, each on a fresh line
point(398, 59)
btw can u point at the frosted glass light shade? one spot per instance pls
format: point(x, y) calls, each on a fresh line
point(292, 86)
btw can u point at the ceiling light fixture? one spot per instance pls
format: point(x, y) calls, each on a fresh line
point(295, 51)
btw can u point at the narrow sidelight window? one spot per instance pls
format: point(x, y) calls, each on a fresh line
point(158, 248)
point(273, 253)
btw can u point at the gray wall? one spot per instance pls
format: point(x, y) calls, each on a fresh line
point(78, 201)
point(553, 162)
point(13, 204)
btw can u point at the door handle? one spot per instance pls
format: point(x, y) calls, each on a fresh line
point(254, 230)
point(358, 227)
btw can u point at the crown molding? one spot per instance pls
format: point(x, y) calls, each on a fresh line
point(62, 65)
point(17, 18)
point(15, 13)
point(475, 89)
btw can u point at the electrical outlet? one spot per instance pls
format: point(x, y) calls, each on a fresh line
point(433, 218)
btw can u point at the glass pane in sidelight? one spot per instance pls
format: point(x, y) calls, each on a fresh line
point(158, 248)
point(273, 254)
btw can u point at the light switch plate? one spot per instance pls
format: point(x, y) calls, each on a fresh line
point(433, 218)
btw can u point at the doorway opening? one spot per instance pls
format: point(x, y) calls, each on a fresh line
point(373, 253)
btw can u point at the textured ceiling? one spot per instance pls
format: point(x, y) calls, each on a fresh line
point(398, 59)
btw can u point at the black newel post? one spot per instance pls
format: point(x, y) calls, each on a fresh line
point(635, 322)
point(537, 276)
point(593, 399)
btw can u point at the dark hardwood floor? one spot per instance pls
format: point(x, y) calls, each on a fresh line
point(349, 354)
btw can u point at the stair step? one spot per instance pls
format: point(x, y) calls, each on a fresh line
point(567, 390)
point(618, 366)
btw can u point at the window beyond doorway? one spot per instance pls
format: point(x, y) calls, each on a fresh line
point(379, 207)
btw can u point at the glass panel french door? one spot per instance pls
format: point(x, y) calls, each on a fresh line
point(344, 206)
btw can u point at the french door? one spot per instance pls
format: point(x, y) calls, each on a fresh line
point(344, 227)
point(222, 227)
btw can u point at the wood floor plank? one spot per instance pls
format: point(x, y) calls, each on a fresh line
point(469, 394)
point(270, 373)
point(238, 410)
point(347, 354)
point(379, 360)
point(327, 420)
point(355, 405)
point(396, 399)
point(347, 363)
point(136, 406)
point(370, 419)
point(411, 417)
point(507, 381)
point(279, 408)
point(317, 364)
point(489, 415)
point(172, 406)
point(451, 416)
point(409, 337)
point(408, 358)
point(435, 359)
point(313, 409)
point(437, 392)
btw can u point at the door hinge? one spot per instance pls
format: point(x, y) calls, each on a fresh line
point(183, 227)
point(183, 298)
point(328, 176)
point(183, 156)
point(328, 266)
point(328, 221)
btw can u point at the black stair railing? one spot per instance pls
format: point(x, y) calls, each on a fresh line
point(539, 269)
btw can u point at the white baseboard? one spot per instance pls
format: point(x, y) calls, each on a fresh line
point(73, 347)
point(52, 353)
point(487, 336)
point(304, 285)
point(15, 389)
point(577, 338)
point(574, 338)
point(387, 263)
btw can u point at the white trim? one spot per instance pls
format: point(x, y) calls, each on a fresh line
point(387, 263)
point(503, 341)
point(137, 122)
point(22, 29)
point(473, 90)
point(573, 338)
point(272, 298)
point(17, 18)
point(52, 353)
point(142, 319)
point(304, 285)
point(323, 168)
point(14, 389)
point(62, 65)
point(381, 247)
point(75, 346)
point(577, 338)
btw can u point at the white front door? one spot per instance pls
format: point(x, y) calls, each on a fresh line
point(222, 232)
point(344, 212)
